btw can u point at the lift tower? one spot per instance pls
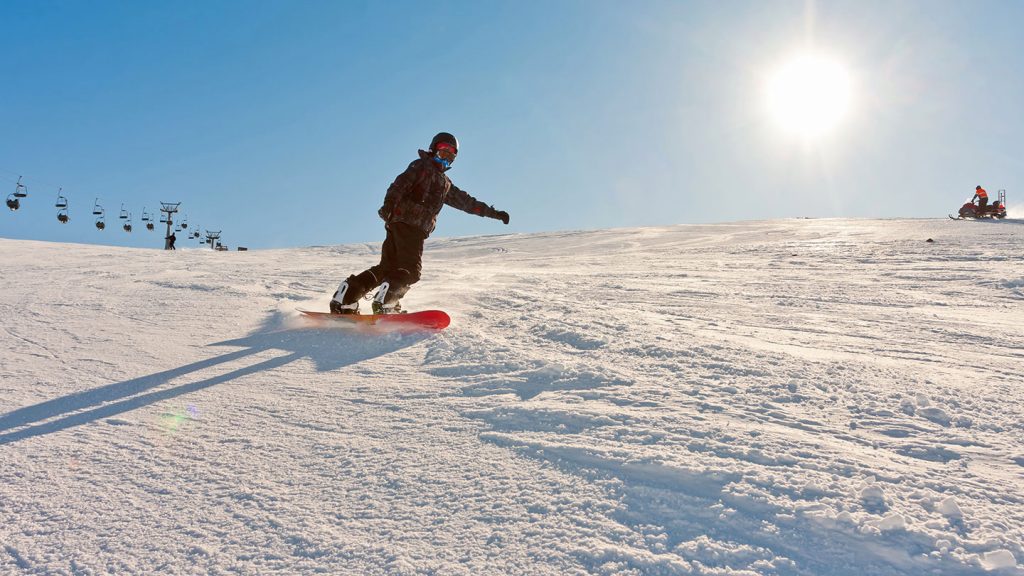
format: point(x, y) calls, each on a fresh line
point(212, 238)
point(169, 208)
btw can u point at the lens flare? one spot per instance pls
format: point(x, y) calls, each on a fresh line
point(171, 422)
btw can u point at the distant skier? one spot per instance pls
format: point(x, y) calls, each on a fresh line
point(410, 211)
point(981, 196)
point(171, 240)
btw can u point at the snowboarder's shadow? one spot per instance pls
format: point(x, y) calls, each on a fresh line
point(329, 349)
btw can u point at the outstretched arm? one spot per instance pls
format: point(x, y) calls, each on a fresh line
point(460, 199)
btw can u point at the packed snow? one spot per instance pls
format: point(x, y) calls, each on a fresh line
point(797, 397)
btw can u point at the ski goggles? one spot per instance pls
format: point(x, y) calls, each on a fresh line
point(446, 152)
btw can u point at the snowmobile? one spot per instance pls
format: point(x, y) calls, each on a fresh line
point(996, 209)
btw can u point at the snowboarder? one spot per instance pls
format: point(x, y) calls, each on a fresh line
point(410, 211)
point(981, 196)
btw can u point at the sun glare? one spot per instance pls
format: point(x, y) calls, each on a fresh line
point(809, 95)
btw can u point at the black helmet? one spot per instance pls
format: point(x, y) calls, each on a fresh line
point(976, 187)
point(446, 138)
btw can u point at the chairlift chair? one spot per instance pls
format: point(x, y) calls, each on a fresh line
point(20, 191)
point(124, 213)
point(98, 210)
point(145, 215)
point(184, 222)
point(14, 200)
point(62, 202)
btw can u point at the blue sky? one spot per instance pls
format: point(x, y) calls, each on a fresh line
point(283, 123)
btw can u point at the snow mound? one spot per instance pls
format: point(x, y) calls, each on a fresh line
point(779, 398)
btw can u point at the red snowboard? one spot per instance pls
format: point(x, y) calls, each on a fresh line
point(431, 319)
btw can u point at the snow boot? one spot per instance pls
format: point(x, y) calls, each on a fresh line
point(346, 299)
point(339, 305)
point(386, 299)
point(339, 308)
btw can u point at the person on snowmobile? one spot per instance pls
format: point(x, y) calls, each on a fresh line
point(410, 211)
point(982, 197)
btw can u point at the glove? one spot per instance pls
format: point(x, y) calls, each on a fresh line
point(502, 215)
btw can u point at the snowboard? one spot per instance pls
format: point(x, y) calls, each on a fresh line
point(430, 319)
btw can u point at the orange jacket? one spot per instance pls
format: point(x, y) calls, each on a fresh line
point(980, 193)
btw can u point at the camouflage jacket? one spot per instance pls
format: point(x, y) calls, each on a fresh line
point(418, 194)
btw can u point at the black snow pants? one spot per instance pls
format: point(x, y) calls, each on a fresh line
point(400, 265)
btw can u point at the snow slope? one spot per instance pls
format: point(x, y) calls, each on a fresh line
point(786, 397)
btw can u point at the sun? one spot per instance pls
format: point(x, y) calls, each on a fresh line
point(809, 95)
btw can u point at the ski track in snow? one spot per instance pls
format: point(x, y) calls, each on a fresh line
point(792, 397)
